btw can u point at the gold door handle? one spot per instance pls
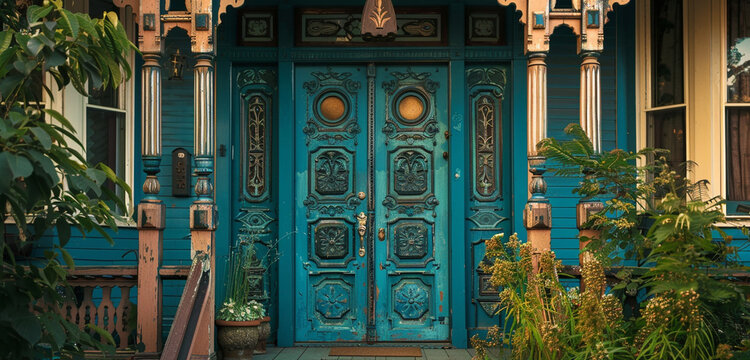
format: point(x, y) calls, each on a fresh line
point(381, 234)
point(362, 229)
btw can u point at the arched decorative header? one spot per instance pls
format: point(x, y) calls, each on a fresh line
point(585, 17)
point(195, 17)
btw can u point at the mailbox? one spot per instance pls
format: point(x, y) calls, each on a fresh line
point(181, 172)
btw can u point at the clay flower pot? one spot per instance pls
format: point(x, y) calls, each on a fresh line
point(238, 339)
point(265, 332)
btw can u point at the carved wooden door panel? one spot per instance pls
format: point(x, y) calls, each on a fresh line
point(372, 232)
point(411, 272)
point(254, 200)
point(331, 158)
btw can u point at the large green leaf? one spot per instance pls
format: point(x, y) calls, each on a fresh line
point(69, 22)
point(44, 139)
point(15, 165)
point(52, 326)
point(5, 39)
point(29, 328)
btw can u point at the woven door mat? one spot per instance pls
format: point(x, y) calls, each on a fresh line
point(376, 351)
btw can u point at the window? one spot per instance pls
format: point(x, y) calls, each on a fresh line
point(665, 110)
point(105, 115)
point(737, 107)
point(105, 130)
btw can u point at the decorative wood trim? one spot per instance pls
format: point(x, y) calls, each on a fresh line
point(587, 19)
point(352, 13)
point(271, 25)
point(224, 6)
point(495, 13)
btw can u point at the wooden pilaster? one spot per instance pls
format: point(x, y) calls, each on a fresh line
point(540, 18)
point(151, 214)
point(591, 123)
point(538, 213)
point(203, 210)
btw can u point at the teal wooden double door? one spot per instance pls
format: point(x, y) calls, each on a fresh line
point(372, 237)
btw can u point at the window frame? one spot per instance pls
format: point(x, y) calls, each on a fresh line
point(723, 107)
point(74, 106)
point(644, 62)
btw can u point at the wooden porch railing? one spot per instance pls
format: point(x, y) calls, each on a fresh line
point(94, 302)
point(105, 296)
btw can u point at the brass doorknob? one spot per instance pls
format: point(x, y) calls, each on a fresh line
point(381, 234)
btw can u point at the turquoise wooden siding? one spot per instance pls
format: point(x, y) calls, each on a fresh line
point(618, 115)
point(563, 78)
point(177, 132)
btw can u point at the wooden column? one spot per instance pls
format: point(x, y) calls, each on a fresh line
point(151, 213)
point(537, 214)
point(591, 122)
point(591, 110)
point(203, 209)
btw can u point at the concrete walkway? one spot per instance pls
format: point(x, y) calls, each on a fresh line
point(321, 353)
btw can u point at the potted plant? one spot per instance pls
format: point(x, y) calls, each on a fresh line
point(239, 319)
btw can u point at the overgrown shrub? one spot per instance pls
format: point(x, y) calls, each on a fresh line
point(45, 184)
point(680, 262)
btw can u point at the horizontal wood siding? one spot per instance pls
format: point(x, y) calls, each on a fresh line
point(563, 78)
point(177, 132)
point(94, 249)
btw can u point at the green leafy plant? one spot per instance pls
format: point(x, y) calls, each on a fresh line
point(544, 320)
point(680, 262)
point(46, 184)
point(237, 304)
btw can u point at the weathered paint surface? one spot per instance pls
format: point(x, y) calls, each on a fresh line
point(388, 165)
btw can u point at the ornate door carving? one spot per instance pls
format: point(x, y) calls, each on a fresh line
point(330, 158)
point(372, 232)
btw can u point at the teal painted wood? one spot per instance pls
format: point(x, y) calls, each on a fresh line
point(624, 22)
point(458, 193)
point(331, 168)
point(563, 109)
point(518, 96)
point(225, 102)
point(253, 198)
point(285, 183)
point(412, 205)
point(488, 125)
point(410, 277)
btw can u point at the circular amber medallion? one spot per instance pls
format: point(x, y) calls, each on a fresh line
point(332, 108)
point(410, 108)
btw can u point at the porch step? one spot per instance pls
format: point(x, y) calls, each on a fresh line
point(321, 353)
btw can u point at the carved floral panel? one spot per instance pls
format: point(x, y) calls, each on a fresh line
point(332, 173)
point(411, 299)
point(331, 240)
point(411, 240)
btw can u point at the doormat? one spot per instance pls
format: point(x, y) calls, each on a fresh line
point(376, 351)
